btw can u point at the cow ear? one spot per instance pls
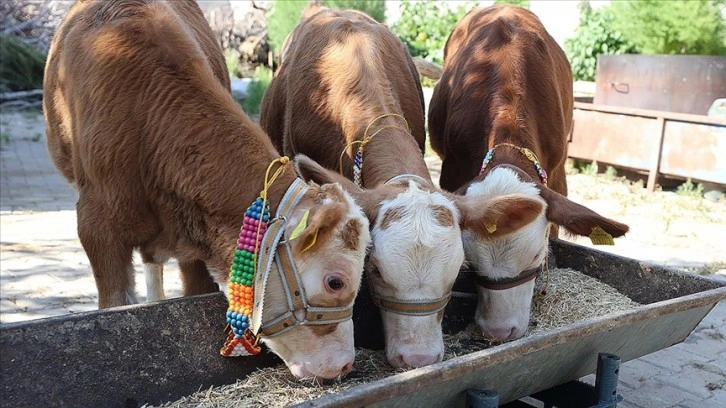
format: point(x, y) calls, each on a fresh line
point(499, 216)
point(580, 220)
point(309, 170)
point(316, 226)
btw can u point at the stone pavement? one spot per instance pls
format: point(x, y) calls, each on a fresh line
point(44, 272)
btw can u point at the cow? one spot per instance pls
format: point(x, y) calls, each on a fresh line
point(140, 119)
point(347, 95)
point(499, 118)
point(194, 274)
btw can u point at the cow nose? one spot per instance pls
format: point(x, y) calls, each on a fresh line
point(335, 369)
point(347, 368)
point(420, 360)
point(414, 360)
point(499, 333)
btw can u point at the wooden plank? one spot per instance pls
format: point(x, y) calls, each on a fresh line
point(649, 113)
point(657, 154)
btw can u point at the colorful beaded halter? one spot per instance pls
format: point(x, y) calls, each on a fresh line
point(526, 152)
point(358, 158)
point(261, 241)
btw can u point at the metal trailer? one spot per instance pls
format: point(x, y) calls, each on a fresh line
point(158, 352)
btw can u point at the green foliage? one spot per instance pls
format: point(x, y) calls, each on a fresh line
point(673, 27)
point(425, 26)
point(21, 65)
point(256, 90)
point(284, 15)
point(374, 8)
point(281, 19)
point(520, 3)
point(231, 59)
point(594, 36)
point(610, 173)
point(690, 189)
point(584, 167)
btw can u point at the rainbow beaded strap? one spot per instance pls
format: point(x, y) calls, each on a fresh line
point(241, 340)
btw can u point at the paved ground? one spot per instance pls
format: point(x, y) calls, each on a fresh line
point(44, 272)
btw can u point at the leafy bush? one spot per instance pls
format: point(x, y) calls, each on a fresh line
point(284, 15)
point(672, 27)
point(21, 65)
point(520, 3)
point(256, 90)
point(593, 37)
point(425, 26)
point(690, 189)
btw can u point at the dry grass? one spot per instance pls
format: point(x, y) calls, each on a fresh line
point(571, 297)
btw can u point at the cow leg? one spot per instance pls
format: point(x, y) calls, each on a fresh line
point(110, 257)
point(196, 278)
point(154, 274)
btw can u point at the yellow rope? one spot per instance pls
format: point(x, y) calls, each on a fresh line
point(522, 150)
point(367, 138)
point(282, 161)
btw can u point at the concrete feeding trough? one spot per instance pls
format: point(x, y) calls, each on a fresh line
point(154, 353)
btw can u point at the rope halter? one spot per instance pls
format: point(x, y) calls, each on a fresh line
point(358, 158)
point(413, 307)
point(507, 283)
point(526, 152)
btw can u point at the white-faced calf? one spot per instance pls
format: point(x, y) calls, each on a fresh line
point(499, 118)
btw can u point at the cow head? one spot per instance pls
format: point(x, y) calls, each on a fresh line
point(506, 248)
point(417, 253)
point(328, 235)
point(415, 257)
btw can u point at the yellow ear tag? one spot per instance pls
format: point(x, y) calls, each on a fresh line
point(491, 227)
point(598, 236)
point(301, 226)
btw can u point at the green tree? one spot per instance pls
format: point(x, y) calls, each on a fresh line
point(284, 15)
point(425, 26)
point(593, 37)
point(520, 3)
point(672, 27)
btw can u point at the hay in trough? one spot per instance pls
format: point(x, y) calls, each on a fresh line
point(570, 297)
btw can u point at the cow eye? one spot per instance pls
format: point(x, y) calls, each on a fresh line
point(334, 283)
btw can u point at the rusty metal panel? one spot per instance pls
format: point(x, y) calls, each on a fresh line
point(673, 83)
point(662, 143)
point(612, 138)
point(694, 151)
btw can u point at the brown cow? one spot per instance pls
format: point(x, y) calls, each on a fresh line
point(346, 81)
point(195, 277)
point(499, 118)
point(140, 118)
